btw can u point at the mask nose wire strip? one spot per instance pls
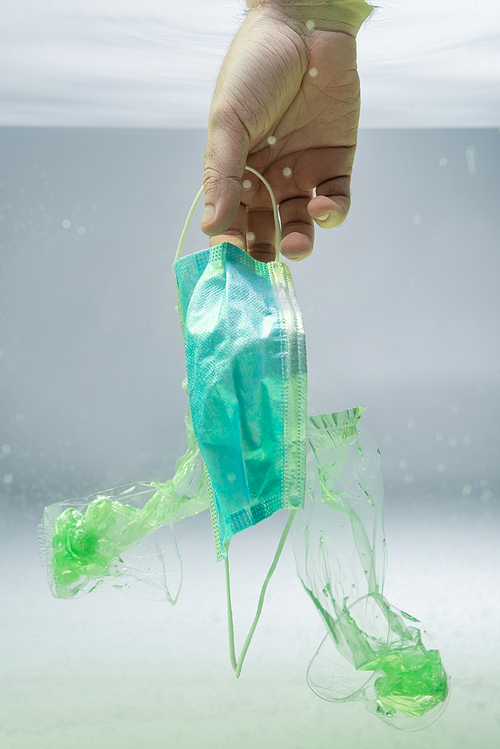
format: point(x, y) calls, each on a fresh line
point(190, 215)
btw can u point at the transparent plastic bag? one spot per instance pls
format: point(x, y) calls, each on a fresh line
point(372, 651)
point(123, 536)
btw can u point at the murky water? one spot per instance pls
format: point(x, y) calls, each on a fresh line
point(423, 63)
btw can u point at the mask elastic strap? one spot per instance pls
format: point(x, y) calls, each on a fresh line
point(237, 664)
point(197, 199)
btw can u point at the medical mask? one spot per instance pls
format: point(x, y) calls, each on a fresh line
point(247, 382)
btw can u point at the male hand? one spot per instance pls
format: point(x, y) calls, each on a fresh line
point(287, 103)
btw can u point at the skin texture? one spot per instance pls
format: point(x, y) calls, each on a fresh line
point(265, 88)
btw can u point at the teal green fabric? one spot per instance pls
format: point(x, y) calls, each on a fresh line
point(246, 372)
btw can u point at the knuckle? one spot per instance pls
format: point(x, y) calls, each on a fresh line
point(225, 185)
point(212, 177)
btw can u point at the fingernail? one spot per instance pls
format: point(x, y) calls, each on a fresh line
point(208, 214)
point(322, 218)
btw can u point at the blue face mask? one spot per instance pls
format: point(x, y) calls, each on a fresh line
point(247, 381)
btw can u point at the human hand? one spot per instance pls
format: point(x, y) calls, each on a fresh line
point(287, 103)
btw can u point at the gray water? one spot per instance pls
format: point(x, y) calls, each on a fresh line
point(401, 307)
point(102, 112)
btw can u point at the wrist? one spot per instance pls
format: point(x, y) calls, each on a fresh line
point(326, 15)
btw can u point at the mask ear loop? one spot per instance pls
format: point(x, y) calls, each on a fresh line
point(237, 663)
point(190, 215)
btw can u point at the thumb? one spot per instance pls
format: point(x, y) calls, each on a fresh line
point(225, 159)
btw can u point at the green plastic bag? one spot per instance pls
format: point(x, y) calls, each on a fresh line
point(372, 651)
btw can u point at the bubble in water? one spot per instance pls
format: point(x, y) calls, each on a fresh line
point(443, 162)
point(310, 25)
point(287, 172)
point(66, 224)
point(250, 236)
point(6, 449)
point(247, 184)
point(271, 140)
point(80, 231)
point(313, 72)
point(8, 478)
point(19, 417)
point(470, 157)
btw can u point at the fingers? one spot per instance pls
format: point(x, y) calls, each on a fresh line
point(328, 209)
point(298, 213)
point(294, 178)
point(225, 158)
point(235, 233)
point(298, 229)
point(253, 231)
point(296, 223)
point(332, 202)
point(253, 228)
point(261, 234)
point(314, 169)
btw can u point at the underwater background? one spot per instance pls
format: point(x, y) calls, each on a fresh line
point(401, 306)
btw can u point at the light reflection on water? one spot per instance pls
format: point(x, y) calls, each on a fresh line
point(423, 63)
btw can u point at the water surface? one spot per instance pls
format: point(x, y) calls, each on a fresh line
point(423, 63)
